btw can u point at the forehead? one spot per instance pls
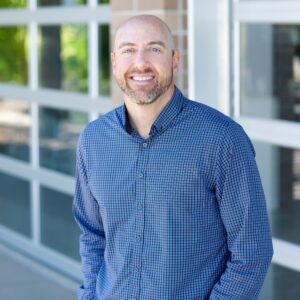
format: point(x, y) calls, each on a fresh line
point(139, 32)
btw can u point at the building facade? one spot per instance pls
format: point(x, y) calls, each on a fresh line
point(241, 57)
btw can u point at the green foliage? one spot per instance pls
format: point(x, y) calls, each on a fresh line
point(59, 2)
point(104, 60)
point(74, 57)
point(13, 3)
point(13, 54)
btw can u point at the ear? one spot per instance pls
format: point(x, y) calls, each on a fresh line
point(176, 61)
point(113, 61)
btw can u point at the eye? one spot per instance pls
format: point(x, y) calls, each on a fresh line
point(155, 50)
point(127, 51)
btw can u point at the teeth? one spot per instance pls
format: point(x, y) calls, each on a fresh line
point(142, 78)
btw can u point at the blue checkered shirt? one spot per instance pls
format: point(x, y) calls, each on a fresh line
point(180, 215)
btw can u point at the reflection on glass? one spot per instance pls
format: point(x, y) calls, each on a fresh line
point(12, 3)
point(60, 2)
point(280, 171)
point(13, 54)
point(63, 57)
point(104, 60)
point(280, 283)
point(270, 71)
point(15, 204)
point(58, 227)
point(59, 131)
point(15, 123)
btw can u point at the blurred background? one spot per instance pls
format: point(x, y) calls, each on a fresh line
point(241, 57)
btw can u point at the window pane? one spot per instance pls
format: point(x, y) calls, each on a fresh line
point(13, 3)
point(264, 0)
point(15, 123)
point(281, 283)
point(270, 71)
point(280, 171)
point(59, 131)
point(63, 57)
point(60, 2)
point(58, 227)
point(13, 55)
point(15, 204)
point(104, 60)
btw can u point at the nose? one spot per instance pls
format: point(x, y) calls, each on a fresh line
point(141, 59)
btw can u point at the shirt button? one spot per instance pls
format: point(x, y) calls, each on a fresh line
point(141, 175)
point(145, 145)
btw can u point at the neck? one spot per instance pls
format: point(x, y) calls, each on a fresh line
point(141, 117)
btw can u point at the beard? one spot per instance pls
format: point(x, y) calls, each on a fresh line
point(145, 94)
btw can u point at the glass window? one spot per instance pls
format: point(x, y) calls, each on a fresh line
point(280, 171)
point(13, 55)
point(280, 283)
point(270, 71)
point(15, 204)
point(264, 0)
point(59, 131)
point(104, 60)
point(13, 3)
point(63, 57)
point(15, 124)
point(60, 2)
point(58, 227)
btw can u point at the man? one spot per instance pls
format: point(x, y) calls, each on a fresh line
point(168, 195)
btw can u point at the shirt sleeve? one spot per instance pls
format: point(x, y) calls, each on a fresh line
point(243, 211)
point(92, 239)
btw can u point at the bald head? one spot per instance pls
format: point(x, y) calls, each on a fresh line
point(148, 22)
point(144, 60)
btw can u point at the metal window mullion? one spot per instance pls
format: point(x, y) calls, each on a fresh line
point(93, 59)
point(191, 47)
point(267, 11)
point(92, 3)
point(56, 15)
point(32, 5)
point(236, 69)
point(34, 135)
point(259, 129)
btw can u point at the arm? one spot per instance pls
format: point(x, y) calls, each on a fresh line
point(92, 240)
point(243, 211)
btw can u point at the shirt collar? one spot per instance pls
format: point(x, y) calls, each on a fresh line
point(170, 111)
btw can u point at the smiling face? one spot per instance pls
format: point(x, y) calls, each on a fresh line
point(144, 60)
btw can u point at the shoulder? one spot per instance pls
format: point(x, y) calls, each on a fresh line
point(215, 123)
point(97, 128)
point(210, 118)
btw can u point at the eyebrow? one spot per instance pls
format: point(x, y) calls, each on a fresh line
point(126, 44)
point(160, 43)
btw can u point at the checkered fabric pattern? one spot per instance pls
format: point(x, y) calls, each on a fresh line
point(180, 215)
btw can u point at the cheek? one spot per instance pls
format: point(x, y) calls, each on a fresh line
point(121, 67)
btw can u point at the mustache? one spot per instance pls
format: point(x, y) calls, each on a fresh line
point(141, 71)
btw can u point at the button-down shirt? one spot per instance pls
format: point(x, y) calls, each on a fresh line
point(179, 215)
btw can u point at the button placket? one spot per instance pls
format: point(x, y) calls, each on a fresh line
point(141, 172)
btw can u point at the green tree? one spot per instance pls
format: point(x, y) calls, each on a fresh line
point(12, 3)
point(13, 54)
